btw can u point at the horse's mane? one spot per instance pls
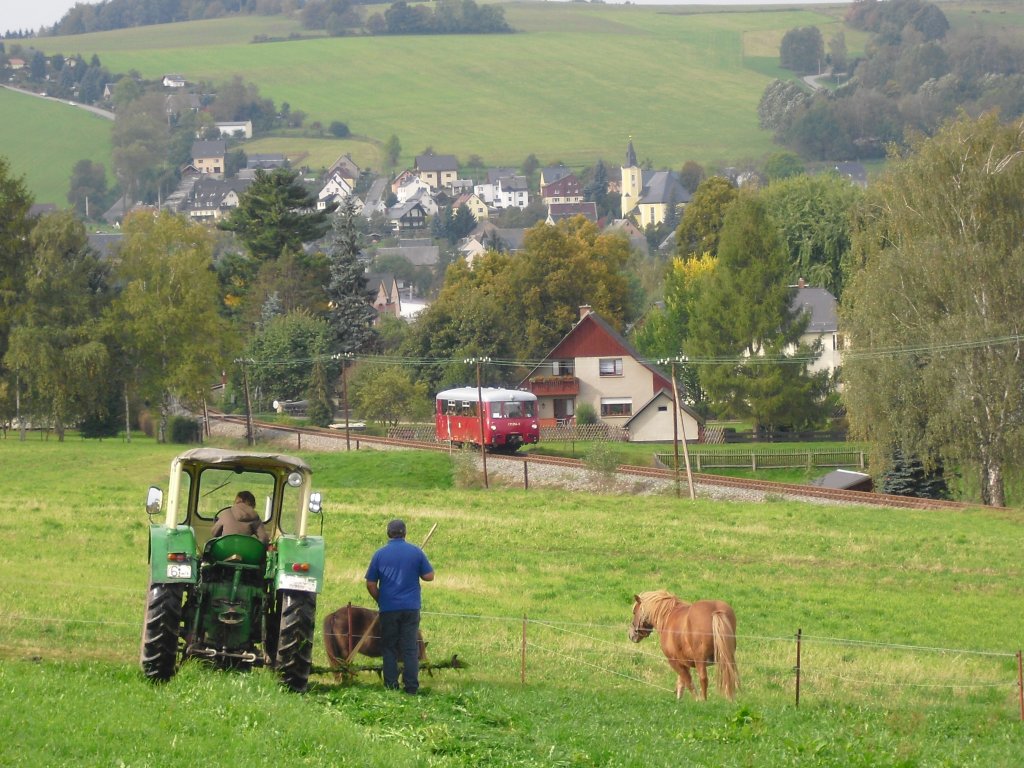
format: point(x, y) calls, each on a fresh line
point(657, 604)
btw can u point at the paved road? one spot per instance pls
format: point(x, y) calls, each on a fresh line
point(77, 105)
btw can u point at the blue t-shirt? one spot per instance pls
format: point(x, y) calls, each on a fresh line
point(397, 567)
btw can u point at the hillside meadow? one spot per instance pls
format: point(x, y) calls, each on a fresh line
point(42, 140)
point(910, 624)
point(572, 85)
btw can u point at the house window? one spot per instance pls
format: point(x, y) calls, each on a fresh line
point(616, 406)
point(610, 366)
point(562, 367)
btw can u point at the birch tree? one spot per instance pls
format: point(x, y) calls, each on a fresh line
point(174, 341)
point(57, 346)
point(935, 366)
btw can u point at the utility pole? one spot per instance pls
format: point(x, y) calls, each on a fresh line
point(680, 425)
point(345, 357)
point(480, 409)
point(250, 437)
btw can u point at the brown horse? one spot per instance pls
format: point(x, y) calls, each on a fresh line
point(691, 636)
point(344, 630)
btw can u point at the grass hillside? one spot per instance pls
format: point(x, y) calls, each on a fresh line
point(44, 138)
point(910, 622)
point(572, 85)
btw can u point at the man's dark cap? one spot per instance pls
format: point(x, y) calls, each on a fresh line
point(396, 529)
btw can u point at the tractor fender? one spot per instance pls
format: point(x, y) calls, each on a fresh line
point(297, 563)
point(173, 557)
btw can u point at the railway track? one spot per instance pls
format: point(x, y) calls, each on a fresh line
point(762, 487)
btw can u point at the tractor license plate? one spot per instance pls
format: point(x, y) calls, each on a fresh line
point(179, 571)
point(300, 583)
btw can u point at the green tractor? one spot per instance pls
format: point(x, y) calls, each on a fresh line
point(230, 599)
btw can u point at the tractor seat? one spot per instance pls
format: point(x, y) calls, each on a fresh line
point(235, 548)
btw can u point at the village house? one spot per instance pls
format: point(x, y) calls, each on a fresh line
point(208, 156)
point(594, 364)
point(411, 186)
point(439, 171)
point(211, 199)
point(822, 310)
point(174, 81)
point(408, 216)
point(559, 211)
point(334, 190)
point(386, 297)
point(177, 104)
point(239, 129)
point(488, 237)
point(566, 188)
point(476, 206)
point(504, 188)
point(552, 173)
point(346, 168)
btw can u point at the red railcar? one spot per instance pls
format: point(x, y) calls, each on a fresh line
point(509, 419)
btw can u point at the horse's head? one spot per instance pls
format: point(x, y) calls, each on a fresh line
point(640, 627)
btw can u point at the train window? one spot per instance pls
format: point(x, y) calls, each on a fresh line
point(514, 410)
point(451, 408)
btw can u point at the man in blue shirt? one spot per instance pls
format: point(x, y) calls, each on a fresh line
point(393, 580)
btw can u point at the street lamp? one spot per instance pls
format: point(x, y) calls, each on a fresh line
point(480, 408)
point(679, 424)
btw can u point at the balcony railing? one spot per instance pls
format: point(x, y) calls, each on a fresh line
point(555, 386)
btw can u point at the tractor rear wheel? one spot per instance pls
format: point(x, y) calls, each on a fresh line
point(296, 622)
point(161, 630)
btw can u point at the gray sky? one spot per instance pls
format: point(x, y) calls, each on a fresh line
point(32, 14)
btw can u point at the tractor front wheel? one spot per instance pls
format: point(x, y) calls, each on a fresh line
point(161, 630)
point(296, 622)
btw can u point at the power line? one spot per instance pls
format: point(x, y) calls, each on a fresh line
point(875, 353)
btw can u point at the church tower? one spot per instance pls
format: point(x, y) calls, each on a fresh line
point(632, 181)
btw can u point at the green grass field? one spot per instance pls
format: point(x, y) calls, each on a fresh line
point(44, 138)
point(571, 86)
point(910, 623)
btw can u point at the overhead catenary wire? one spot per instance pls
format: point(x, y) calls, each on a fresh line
point(872, 353)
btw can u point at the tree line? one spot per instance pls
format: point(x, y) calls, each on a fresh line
point(915, 73)
point(337, 17)
point(929, 269)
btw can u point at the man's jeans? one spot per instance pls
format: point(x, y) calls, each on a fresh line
point(398, 634)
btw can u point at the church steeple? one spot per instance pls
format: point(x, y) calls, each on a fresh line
point(630, 155)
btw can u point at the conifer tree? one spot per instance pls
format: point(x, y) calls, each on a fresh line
point(349, 312)
point(744, 332)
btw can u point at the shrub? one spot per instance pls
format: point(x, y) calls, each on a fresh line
point(602, 459)
point(586, 414)
point(183, 429)
point(465, 472)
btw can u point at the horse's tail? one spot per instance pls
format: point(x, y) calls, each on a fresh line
point(723, 631)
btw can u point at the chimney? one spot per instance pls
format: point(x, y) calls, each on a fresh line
point(585, 309)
